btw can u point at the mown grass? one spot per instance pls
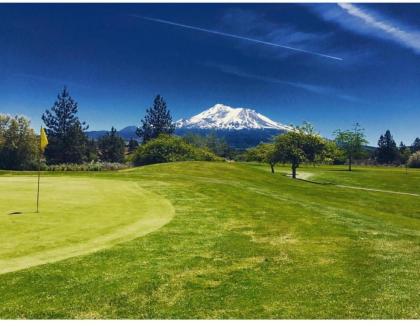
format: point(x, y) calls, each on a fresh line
point(243, 244)
point(77, 216)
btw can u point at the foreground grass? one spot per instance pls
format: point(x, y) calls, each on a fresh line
point(77, 216)
point(243, 244)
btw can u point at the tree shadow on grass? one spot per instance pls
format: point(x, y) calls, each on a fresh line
point(310, 181)
point(343, 170)
point(317, 182)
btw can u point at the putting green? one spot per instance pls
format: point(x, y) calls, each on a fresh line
point(77, 216)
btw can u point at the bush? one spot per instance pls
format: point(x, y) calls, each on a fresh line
point(93, 166)
point(170, 149)
point(414, 160)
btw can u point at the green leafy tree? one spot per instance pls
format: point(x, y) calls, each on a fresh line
point(111, 147)
point(264, 153)
point(157, 121)
point(18, 143)
point(416, 145)
point(332, 154)
point(167, 148)
point(300, 145)
point(351, 142)
point(66, 137)
point(387, 151)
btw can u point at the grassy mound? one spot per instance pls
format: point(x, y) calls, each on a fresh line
point(244, 243)
point(77, 216)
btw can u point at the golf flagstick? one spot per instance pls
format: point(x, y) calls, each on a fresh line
point(43, 142)
point(39, 177)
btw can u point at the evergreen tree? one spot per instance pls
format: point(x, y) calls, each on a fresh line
point(66, 137)
point(132, 145)
point(111, 147)
point(91, 150)
point(416, 145)
point(404, 153)
point(157, 121)
point(387, 152)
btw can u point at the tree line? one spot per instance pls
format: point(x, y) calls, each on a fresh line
point(68, 143)
point(304, 145)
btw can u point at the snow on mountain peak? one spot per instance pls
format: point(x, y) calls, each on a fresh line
point(225, 117)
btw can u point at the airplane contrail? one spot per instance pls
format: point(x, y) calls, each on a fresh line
point(200, 29)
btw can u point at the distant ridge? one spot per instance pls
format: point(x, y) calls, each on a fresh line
point(127, 133)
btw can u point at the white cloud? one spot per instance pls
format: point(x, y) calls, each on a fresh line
point(372, 23)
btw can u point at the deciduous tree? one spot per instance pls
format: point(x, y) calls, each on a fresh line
point(302, 144)
point(351, 142)
point(18, 143)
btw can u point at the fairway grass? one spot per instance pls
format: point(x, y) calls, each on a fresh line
point(77, 216)
point(244, 243)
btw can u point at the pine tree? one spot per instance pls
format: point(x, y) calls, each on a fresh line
point(387, 152)
point(132, 145)
point(404, 153)
point(67, 141)
point(416, 145)
point(111, 147)
point(157, 121)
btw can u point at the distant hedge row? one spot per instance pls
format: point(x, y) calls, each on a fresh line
point(94, 166)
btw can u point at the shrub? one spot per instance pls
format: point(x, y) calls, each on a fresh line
point(170, 149)
point(93, 166)
point(414, 160)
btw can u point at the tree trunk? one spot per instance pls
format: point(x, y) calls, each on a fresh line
point(272, 168)
point(294, 171)
point(349, 163)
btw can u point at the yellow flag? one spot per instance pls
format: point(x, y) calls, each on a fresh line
point(43, 140)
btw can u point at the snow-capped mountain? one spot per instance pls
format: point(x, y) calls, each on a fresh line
point(240, 128)
point(225, 117)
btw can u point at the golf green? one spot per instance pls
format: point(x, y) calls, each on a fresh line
point(77, 216)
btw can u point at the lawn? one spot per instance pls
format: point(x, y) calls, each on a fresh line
point(77, 216)
point(243, 243)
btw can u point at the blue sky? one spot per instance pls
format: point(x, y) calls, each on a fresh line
point(329, 64)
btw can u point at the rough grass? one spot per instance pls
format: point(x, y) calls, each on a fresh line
point(243, 244)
